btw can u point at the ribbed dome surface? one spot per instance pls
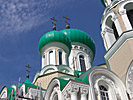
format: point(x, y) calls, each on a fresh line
point(54, 36)
point(76, 35)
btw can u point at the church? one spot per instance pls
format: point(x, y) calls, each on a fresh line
point(67, 71)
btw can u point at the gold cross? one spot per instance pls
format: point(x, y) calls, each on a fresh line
point(28, 68)
point(54, 20)
point(67, 20)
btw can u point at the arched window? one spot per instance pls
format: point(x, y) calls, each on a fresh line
point(104, 93)
point(130, 16)
point(82, 63)
point(51, 57)
point(55, 97)
point(115, 31)
point(112, 26)
point(60, 58)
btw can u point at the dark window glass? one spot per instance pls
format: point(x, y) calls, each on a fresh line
point(82, 63)
point(60, 58)
point(115, 31)
point(130, 16)
point(104, 93)
point(51, 57)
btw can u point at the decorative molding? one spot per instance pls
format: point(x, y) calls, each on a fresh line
point(107, 30)
point(118, 44)
point(114, 18)
point(129, 80)
point(74, 87)
point(100, 73)
point(84, 48)
point(122, 12)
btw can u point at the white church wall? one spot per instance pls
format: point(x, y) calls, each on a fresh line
point(129, 80)
point(80, 49)
point(115, 87)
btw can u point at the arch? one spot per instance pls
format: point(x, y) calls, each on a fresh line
point(110, 13)
point(110, 79)
point(124, 7)
point(82, 59)
point(3, 93)
point(82, 63)
point(54, 83)
point(107, 91)
point(51, 57)
point(54, 94)
point(60, 56)
point(129, 80)
point(111, 29)
point(67, 69)
point(129, 11)
point(104, 92)
point(111, 25)
point(48, 69)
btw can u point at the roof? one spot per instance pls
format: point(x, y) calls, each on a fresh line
point(54, 36)
point(9, 90)
point(78, 36)
point(62, 82)
point(29, 84)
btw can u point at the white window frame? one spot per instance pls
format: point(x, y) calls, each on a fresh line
point(64, 57)
point(48, 57)
point(79, 67)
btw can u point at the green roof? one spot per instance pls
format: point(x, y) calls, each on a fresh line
point(79, 36)
point(29, 84)
point(9, 90)
point(62, 83)
point(27, 81)
point(54, 36)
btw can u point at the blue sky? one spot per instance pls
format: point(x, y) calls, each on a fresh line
point(23, 22)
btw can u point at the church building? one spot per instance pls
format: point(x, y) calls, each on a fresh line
point(67, 71)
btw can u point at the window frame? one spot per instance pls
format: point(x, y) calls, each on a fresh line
point(48, 56)
point(78, 60)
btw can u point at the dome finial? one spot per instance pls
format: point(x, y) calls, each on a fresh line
point(54, 25)
point(27, 76)
point(68, 25)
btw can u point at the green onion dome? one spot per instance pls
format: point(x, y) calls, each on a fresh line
point(76, 35)
point(54, 36)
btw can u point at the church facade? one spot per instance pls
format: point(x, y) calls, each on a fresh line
point(67, 55)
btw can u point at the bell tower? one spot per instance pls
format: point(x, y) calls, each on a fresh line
point(117, 34)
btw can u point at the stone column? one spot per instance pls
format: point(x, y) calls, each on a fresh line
point(109, 37)
point(64, 58)
point(84, 93)
point(73, 92)
point(43, 60)
point(117, 25)
point(74, 95)
point(125, 19)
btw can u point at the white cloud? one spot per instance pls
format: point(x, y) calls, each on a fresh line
point(18, 16)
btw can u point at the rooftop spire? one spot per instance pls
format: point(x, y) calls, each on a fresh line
point(54, 25)
point(27, 76)
point(66, 21)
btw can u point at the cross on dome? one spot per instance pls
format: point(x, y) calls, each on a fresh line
point(66, 21)
point(54, 25)
point(28, 70)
